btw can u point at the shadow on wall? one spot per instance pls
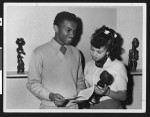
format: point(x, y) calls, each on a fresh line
point(77, 39)
point(118, 50)
point(79, 31)
point(130, 85)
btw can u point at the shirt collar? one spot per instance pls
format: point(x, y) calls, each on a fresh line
point(55, 45)
point(108, 62)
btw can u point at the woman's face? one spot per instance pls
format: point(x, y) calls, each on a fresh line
point(98, 54)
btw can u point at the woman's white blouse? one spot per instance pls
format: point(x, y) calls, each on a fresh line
point(115, 68)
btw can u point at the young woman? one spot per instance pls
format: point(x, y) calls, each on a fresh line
point(105, 51)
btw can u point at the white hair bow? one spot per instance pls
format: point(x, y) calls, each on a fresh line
point(106, 32)
point(115, 35)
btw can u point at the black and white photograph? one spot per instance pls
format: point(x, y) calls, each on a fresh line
point(74, 57)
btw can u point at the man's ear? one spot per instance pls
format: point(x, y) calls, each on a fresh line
point(56, 28)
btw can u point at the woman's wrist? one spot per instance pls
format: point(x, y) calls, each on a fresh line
point(108, 91)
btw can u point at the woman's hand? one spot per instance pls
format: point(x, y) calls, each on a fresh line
point(102, 91)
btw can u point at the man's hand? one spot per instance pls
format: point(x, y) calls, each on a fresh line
point(58, 99)
point(102, 91)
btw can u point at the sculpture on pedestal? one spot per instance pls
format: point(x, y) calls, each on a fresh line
point(20, 42)
point(133, 55)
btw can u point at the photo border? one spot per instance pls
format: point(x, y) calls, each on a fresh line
point(120, 111)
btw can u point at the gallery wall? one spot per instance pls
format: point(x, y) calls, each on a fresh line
point(35, 25)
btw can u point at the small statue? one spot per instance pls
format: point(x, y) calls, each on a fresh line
point(106, 79)
point(20, 42)
point(133, 55)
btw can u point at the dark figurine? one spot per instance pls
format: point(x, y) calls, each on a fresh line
point(20, 42)
point(106, 79)
point(133, 55)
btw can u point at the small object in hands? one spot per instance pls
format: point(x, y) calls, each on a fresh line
point(20, 42)
point(133, 55)
point(106, 79)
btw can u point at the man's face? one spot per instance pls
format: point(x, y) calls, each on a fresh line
point(98, 54)
point(66, 32)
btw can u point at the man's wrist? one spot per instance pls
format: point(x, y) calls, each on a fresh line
point(51, 95)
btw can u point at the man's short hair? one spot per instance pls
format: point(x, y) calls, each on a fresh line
point(60, 17)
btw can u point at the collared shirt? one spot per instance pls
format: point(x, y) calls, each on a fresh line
point(52, 71)
point(115, 68)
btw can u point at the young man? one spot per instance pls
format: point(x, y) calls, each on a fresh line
point(55, 71)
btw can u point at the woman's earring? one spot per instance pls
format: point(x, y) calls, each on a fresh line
point(107, 54)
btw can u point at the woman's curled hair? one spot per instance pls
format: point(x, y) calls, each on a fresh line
point(107, 37)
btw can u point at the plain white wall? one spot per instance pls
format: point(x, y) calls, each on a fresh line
point(130, 25)
point(18, 96)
